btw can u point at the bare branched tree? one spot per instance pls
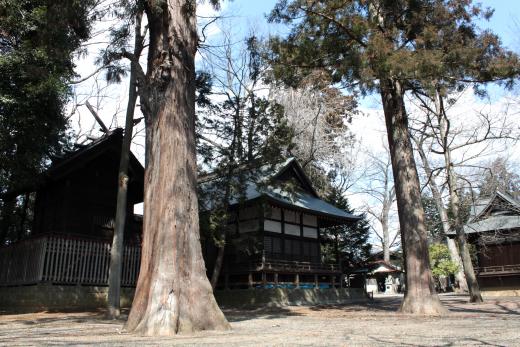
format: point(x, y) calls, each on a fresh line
point(378, 185)
point(459, 146)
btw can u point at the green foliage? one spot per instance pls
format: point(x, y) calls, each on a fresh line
point(37, 41)
point(432, 219)
point(345, 244)
point(237, 135)
point(440, 261)
point(364, 44)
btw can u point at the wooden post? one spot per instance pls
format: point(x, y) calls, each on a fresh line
point(96, 116)
point(297, 281)
point(276, 278)
point(333, 281)
point(250, 280)
point(264, 279)
point(316, 282)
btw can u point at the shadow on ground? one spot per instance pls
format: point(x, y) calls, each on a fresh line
point(238, 315)
point(51, 316)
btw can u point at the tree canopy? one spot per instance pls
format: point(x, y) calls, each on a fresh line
point(37, 41)
point(415, 42)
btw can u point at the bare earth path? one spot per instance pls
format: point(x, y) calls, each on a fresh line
point(494, 323)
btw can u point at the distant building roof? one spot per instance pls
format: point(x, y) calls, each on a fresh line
point(498, 212)
point(376, 267)
point(263, 184)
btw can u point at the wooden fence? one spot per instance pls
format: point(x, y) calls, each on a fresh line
point(62, 260)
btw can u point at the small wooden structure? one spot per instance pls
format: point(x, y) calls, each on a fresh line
point(377, 277)
point(74, 220)
point(274, 232)
point(494, 230)
point(78, 193)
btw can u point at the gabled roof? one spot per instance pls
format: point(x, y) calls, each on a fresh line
point(266, 183)
point(76, 160)
point(484, 205)
point(73, 161)
point(499, 212)
point(379, 266)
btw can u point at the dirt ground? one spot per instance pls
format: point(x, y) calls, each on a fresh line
point(493, 323)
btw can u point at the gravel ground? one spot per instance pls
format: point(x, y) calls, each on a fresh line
point(493, 323)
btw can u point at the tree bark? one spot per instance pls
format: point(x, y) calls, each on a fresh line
point(386, 232)
point(454, 252)
point(455, 256)
point(420, 296)
point(7, 212)
point(223, 229)
point(116, 253)
point(173, 294)
point(469, 272)
point(23, 216)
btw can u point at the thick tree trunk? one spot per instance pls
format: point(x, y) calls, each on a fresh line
point(116, 253)
point(173, 294)
point(420, 296)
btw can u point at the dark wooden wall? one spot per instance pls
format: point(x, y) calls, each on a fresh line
point(501, 254)
point(83, 201)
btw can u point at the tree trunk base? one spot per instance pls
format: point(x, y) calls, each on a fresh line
point(172, 314)
point(163, 323)
point(113, 313)
point(423, 305)
point(476, 298)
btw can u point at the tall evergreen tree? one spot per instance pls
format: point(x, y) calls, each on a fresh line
point(346, 245)
point(432, 219)
point(37, 42)
point(238, 134)
point(392, 47)
point(173, 294)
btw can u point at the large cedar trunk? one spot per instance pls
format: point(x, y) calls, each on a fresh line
point(173, 294)
point(420, 296)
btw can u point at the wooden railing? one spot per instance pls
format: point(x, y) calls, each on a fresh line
point(497, 270)
point(64, 260)
point(265, 263)
point(300, 266)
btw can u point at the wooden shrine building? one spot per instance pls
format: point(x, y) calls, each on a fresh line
point(494, 230)
point(274, 231)
point(73, 222)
